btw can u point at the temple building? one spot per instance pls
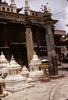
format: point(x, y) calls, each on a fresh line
point(21, 34)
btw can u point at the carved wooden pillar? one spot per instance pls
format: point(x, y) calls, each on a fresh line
point(29, 38)
point(29, 44)
point(53, 70)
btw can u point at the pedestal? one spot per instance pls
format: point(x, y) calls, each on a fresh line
point(45, 76)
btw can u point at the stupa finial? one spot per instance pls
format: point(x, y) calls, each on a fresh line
point(12, 2)
point(12, 56)
point(34, 53)
point(13, 5)
point(26, 3)
point(1, 53)
point(49, 10)
point(27, 10)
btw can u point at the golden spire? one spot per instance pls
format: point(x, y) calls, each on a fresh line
point(1, 53)
point(34, 53)
point(12, 56)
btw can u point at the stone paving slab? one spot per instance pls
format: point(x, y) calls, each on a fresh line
point(61, 92)
point(56, 89)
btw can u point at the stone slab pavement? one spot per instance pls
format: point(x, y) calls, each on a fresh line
point(55, 89)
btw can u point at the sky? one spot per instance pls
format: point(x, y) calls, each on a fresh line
point(59, 9)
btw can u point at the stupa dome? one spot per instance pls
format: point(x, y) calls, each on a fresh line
point(2, 58)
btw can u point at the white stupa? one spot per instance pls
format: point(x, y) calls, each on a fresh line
point(14, 81)
point(35, 63)
point(3, 63)
point(25, 72)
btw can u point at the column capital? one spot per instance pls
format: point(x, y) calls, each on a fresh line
point(28, 22)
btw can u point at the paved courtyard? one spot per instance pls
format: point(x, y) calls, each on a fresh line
point(55, 89)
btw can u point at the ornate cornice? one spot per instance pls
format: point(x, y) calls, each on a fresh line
point(20, 18)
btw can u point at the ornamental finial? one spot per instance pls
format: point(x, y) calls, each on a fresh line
point(1, 53)
point(26, 3)
point(34, 53)
point(12, 56)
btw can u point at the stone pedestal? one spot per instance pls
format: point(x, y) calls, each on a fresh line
point(44, 66)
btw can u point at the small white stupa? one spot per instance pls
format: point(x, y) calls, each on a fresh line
point(34, 67)
point(14, 81)
point(35, 63)
point(3, 63)
point(3, 60)
point(13, 5)
point(25, 72)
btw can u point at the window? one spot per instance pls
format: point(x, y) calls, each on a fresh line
point(7, 9)
point(3, 8)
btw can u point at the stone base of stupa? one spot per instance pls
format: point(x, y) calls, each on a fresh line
point(18, 88)
point(16, 83)
point(35, 75)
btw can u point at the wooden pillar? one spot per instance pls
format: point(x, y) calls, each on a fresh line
point(48, 22)
point(53, 70)
point(29, 38)
point(29, 44)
